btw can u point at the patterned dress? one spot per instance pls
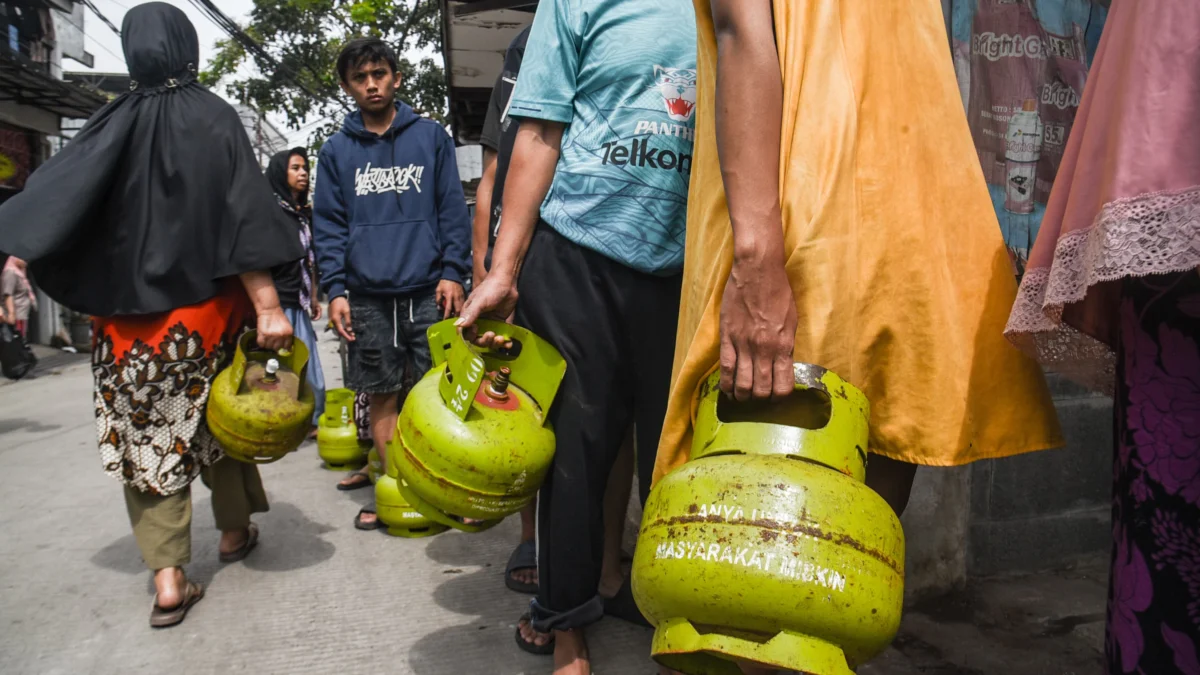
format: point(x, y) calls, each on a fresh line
point(1154, 596)
point(153, 375)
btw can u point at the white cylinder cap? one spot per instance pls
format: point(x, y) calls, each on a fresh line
point(272, 366)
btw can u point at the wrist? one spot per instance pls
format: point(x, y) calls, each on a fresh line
point(757, 253)
point(758, 239)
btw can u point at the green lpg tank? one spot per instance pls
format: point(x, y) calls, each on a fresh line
point(337, 434)
point(260, 407)
point(473, 444)
point(766, 546)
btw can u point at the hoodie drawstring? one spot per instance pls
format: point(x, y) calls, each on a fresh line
point(395, 326)
point(410, 311)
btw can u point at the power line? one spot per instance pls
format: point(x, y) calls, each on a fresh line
point(261, 55)
point(100, 15)
point(100, 44)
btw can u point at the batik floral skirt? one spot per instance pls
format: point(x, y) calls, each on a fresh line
point(1154, 594)
point(153, 375)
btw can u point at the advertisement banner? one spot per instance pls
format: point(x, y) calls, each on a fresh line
point(1021, 67)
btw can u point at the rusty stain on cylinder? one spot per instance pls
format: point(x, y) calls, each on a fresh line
point(773, 528)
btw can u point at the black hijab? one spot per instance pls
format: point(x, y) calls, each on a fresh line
point(158, 198)
point(277, 175)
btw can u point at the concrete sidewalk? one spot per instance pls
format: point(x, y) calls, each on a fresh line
point(319, 596)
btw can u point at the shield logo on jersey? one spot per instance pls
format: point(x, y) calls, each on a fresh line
point(678, 89)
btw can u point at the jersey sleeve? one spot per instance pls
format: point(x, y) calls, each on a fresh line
point(547, 86)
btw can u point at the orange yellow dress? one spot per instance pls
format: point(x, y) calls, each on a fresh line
point(901, 279)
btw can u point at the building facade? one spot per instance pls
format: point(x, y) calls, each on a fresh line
point(35, 101)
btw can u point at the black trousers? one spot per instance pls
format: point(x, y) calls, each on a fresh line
point(615, 327)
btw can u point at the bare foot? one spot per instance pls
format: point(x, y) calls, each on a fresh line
point(356, 478)
point(170, 583)
point(571, 653)
point(530, 635)
point(232, 541)
point(525, 575)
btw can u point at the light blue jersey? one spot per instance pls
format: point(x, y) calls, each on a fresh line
point(622, 75)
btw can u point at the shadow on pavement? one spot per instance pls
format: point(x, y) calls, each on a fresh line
point(460, 548)
point(486, 643)
point(289, 540)
point(120, 556)
point(22, 424)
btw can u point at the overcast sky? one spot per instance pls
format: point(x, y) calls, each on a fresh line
point(106, 46)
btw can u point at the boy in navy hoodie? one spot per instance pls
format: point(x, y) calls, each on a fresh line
point(392, 234)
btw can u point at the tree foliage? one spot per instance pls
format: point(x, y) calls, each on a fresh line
point(304, 38)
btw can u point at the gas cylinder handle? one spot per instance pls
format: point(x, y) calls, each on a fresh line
point(535, 367)
point(294, 359)
point(840, 444)
point(808, 376)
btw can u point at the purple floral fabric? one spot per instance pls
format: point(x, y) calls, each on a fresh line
point(1154, 592)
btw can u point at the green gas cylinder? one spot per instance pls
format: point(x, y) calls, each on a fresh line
point(766, 546)
point(473, 444)
point(374, 465)
point(401, 519)
point(260, 407)
point(337, 435)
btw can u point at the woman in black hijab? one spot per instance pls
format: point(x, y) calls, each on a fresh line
point(156, 221)
point(296, 282)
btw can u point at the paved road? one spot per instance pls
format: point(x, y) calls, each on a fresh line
point(318, 596)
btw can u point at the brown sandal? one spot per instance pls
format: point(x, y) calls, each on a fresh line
point(165, 618)
point(245, 548)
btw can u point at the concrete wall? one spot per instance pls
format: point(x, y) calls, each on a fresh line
point(1031, 512)
point(936, 525)
point(1045, 509)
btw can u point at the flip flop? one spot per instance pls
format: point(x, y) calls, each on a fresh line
point(165, 618)
point(530, 647)
point(357, 484)
point(359, 524)
point(623, 606)
point(523, 557)
point(245, 548)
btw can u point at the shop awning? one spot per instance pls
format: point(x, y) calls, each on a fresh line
point(28, 83)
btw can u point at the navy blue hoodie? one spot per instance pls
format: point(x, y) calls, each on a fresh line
point(389, 217)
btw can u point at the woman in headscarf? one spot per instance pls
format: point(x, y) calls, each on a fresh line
point(157, 221)
point(1111, 297)
point(296, 282)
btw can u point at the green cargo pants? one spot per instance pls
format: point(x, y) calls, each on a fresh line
point(162, 526)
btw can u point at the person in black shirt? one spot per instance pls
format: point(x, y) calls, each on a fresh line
point(497, 139)
point(499, 134)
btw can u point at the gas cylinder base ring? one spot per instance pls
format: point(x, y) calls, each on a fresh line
point(441, 517)
point(417, 532)
point(679, 645)
point(348, 466)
